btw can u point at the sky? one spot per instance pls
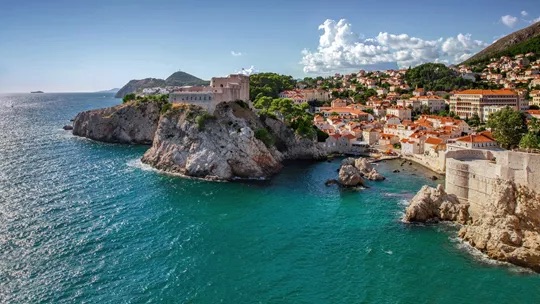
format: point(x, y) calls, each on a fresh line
point(85, 46)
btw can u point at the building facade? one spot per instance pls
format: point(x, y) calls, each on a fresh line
point(469, 102)
point(230, 88)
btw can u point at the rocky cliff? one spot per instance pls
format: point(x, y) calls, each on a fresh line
point(131, 123)
point(232, 143)
point(506, 229)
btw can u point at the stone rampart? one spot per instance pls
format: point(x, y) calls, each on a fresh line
point(472, 175)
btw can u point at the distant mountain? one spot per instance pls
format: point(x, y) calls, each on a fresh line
point(176, 79)
point(109, 91)
point(523, 41)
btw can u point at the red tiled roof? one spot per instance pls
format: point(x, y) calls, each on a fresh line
point(434, 141)
point(475, 138)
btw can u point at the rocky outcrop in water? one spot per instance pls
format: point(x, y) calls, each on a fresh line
point(433, 204)
point(349, 176)
point(352, 172)
point(130, 123)
point(232, 143)
point(507, 228)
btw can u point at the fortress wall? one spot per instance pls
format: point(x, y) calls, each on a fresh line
point(472, 177)
point(472, 181)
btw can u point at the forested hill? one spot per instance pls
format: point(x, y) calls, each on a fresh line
point(176, 79)
point(520, 42)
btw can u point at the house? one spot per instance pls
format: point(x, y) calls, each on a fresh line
point(388, 139)
point(371, 136)
point(401, 112)
point(419, 92)
point(482, 140)
point(432, 145)
point(409, 147)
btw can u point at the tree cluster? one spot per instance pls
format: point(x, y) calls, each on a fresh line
point(269, 84)
point(436, 77)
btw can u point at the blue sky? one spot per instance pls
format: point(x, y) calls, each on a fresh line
point(59, 45)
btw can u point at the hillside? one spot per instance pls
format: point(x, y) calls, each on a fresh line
point(176, 79)
point(183, 79)
point(520, 42)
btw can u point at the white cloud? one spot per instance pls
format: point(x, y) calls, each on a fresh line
point(249, 71)
point(236, 54)
point(524, 13)
point(340, 48)
point(509, 21)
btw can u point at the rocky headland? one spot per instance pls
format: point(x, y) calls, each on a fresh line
point(507, 228)
point(231, 143)
point(128, 123)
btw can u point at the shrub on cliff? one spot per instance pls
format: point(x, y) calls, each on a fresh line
point(201, 120)
point(128, 98)
point(263, 135)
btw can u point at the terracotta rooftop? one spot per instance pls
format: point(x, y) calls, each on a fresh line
point(476, 138)
point(434, 141)
point(487, 92)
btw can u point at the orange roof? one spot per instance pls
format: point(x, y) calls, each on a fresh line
point(475, 138)
point(434, 141)
point(349, 136)
point(487, 92)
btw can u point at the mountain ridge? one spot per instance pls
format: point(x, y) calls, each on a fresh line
point(521, 41)
point(175, 79)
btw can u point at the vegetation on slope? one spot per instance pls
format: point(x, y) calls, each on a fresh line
point(520, 42)
point(161, 100)
point(436, 77)
point(269, 84)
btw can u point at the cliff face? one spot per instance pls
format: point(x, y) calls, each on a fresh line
point(506, 228)
point(130, 123)
point(223, 146)
point(509, 227)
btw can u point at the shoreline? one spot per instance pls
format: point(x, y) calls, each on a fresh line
point(427, 166)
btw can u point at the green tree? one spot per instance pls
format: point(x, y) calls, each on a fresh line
point(474, 121)
point(129, 97)
point(530, 141)
point(507, 126)
point(269, 84)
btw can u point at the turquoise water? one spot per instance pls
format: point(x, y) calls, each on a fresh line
point(82, 221)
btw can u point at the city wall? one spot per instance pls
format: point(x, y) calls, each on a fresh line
point(473, 175)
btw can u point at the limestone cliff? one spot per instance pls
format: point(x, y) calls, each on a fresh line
point(131, 123)
point(232, 143)
point(507, 228)
point(431, 204)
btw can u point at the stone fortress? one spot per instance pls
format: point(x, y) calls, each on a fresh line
point(473, 175)
point(230, 88)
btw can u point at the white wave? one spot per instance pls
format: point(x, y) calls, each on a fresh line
point(138, 164)
point(483, 258)
point(388, 252)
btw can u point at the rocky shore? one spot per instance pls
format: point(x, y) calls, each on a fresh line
point(507, 229)
point(231, 143)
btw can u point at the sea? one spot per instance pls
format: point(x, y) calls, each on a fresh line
point(86, 222)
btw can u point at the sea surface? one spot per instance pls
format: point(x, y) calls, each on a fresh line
point(86, 222)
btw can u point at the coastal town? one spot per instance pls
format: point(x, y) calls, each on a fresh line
point(381, 113)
